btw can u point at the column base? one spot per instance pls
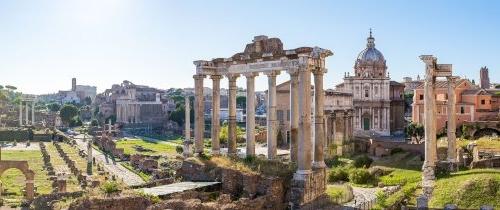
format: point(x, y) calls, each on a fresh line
point(428, 172)
point(307, 186)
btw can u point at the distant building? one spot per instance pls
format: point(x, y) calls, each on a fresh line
point(77, 94)
point(373, 92)
point(484, 78)
point(472, 103)
point(411, 84)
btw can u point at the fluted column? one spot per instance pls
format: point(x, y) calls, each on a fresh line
point(304, 145)
point(451, 120)
point(232, 114)
point(250, 109)
point(27, 114)
point(33, 113)
point(215, 113)
point(199, 126)
point(20, 113)
point(319, 123)
point(271, 115)
point(294, 113)
point(187, 128)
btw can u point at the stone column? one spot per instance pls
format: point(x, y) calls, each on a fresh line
point(20, 113)
point(304, 144)
point(89, 155)
point(451, 120)
point(187, 128)
point(250, 109)
point(319, 122)
point(27, 107)
point(30, 189)
point(33, 113)
point(271, 115)
point(199, 126)
point(294, 114)
point(430, 137)
point(231, 143)
point(215, 113)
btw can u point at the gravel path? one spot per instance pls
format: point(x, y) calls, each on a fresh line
point(128, 177)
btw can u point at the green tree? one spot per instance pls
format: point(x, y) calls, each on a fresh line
point(68, 112)
point(10, 87)
point(54, 107)
point(87, 101)
point(241, 101)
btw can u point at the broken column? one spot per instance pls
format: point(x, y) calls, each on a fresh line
point(187, 128)
point(451, 122)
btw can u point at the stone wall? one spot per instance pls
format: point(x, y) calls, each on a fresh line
point(486, 163)
point(308, 189)
point(118, 203)
point(45, 202)
point(246, 186)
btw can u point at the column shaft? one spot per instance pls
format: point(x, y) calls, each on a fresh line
point(33, 113)
point(451, 121)
point(27, 114)
point(232, 115)
point(215, 113)
point(250, 109)
point(187, 127)
point(430, 136)
point(319, 123)
point(294, 115)
point(20, 113)
point(304, 146)
point(271, 115)
point(199, 126)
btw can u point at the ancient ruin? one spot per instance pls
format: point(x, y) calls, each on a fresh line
point(432, 71)
point(24, 168)
point(266, 55)
point(27, 101)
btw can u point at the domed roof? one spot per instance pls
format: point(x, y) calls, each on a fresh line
point(370, 54)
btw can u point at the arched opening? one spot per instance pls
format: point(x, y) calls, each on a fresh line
point(17, 178)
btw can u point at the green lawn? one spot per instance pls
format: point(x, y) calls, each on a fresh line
point(14, 181)
point(157, 148)
point(468, 189)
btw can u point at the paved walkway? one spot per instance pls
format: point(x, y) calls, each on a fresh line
point(176, 188)
point(128, 177)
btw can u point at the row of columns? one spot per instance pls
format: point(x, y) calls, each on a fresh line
point(300, 106)
point(26, 107)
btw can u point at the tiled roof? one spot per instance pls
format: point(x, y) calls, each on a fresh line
point(440, 84)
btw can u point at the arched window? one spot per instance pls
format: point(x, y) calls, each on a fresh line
point(366, 93)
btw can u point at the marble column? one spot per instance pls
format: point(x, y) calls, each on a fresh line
point(215, 113)
point(199, 119)
point(429, 111)
point(271, 115)
point(231, 142)
point(250, 110)
point(89, 155)
point(304, 144)
point(319, 122)
point(27, 118)
point(20, 113)
point(33, 113)
point(187, 128)
point(294, 114)
point(451, 120)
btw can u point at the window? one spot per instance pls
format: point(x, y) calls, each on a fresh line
point(483, 101)
point(462, 110)
point(280, 115)
point(422, 97)
point(288, 115)
point(366, 93)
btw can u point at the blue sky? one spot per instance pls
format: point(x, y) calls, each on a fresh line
point(43, 44)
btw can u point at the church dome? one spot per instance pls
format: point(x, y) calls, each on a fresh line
point(370, 62)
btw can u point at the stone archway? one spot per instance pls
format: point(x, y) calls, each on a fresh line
point(24, 168)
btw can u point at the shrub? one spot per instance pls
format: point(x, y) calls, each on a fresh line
point(110, 187)
point(332, 162)
point(338, 174)
point(381, 198)
point(362, 161)
point(359, 176)
point(396, 150)
point(179, 149)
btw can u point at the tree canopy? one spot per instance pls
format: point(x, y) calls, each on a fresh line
point(54, 107)
point(241, 101)
point(68, 112)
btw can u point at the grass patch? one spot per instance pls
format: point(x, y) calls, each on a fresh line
point(468, 189)
point(14, 181)
point(154, 148)
point(339, 193)
point(144, 176)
